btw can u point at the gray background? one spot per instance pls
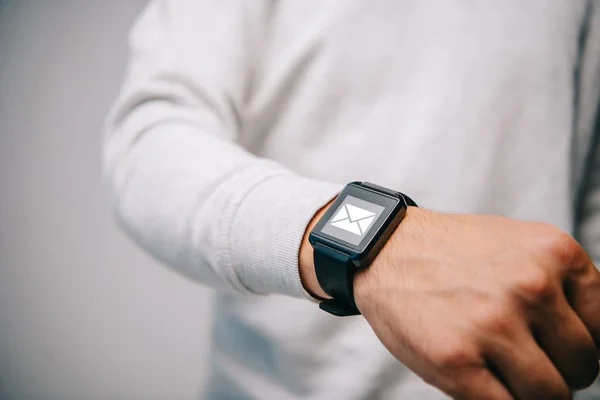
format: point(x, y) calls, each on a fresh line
point(84, 314)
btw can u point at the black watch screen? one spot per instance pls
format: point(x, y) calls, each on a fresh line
point(352, 220)
point(355, 218)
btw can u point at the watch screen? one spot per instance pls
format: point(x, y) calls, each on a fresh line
point(352, 220)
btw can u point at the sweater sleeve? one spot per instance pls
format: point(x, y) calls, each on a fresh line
point(588, 203)
point(180, 184)
point(589, 229)
point(589, 226)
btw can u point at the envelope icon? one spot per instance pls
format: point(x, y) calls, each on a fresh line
point(353, 219)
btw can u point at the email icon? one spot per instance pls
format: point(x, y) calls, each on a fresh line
point(353, 219)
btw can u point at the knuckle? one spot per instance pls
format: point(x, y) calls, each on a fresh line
point(558, 244)
point(535, 284)
point(453, 359)
point(457, 364)
point(495, 321)
point(464, 385)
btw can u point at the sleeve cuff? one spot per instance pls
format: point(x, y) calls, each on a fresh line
point(266, 229)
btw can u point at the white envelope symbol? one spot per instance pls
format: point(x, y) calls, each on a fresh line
point(353, 219)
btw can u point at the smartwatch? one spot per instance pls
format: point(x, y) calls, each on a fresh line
point(349, 236)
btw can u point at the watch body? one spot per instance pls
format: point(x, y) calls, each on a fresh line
point(349, 235)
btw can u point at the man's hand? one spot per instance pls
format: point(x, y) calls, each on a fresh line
point(483, 307)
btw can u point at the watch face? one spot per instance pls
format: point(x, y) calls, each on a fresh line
point(356, 217)
point(352, 220)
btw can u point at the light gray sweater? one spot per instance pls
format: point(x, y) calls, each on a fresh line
point(239, 119)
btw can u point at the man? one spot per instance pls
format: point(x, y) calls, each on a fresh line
point(241, 121)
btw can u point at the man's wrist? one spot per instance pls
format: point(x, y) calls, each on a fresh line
point(363, 279)
point(366, 280)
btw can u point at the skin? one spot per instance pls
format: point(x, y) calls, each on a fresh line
point(480, 306)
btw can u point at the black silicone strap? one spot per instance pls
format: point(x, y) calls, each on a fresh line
point(336, 275)
point(409, 202)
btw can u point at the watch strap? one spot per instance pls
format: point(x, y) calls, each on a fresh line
point(409, 202)
point(336, 275)
point(335, 271)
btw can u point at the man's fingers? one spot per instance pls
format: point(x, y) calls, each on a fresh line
point(582, 288)
point(527, 370)
point(482, 384)
point(568, 344)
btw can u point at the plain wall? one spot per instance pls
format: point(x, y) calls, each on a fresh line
point(84, 314)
